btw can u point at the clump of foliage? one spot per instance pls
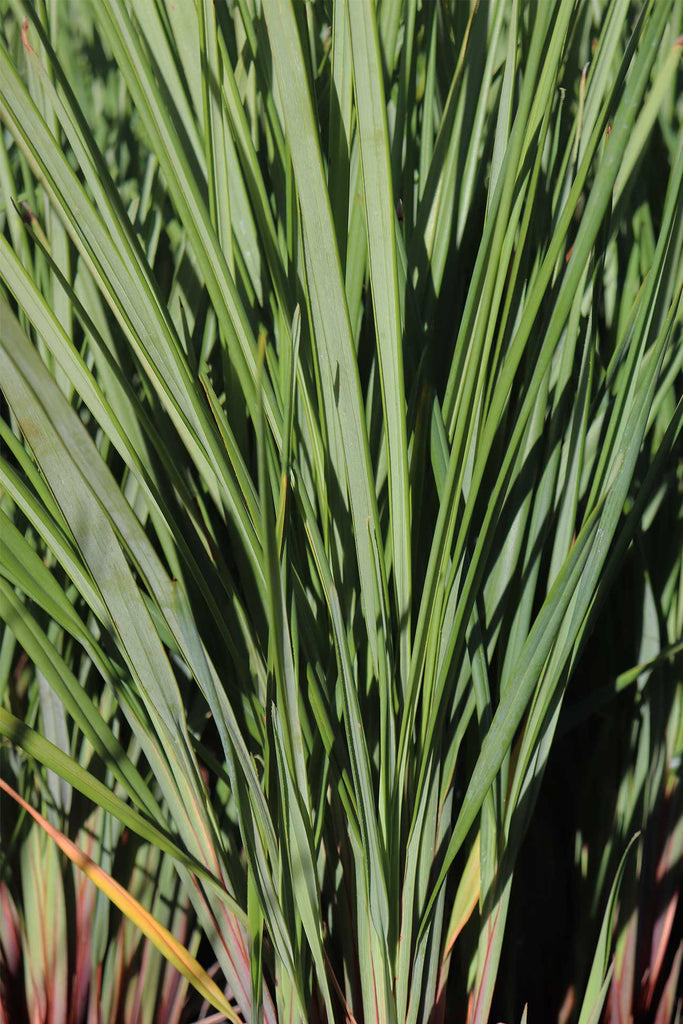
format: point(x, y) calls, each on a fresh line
point(341, 509)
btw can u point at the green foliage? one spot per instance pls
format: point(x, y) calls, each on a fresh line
point(341, 500)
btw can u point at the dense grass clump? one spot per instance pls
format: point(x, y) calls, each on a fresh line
point(341, 509)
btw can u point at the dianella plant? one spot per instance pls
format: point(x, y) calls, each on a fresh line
point(341, 510)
